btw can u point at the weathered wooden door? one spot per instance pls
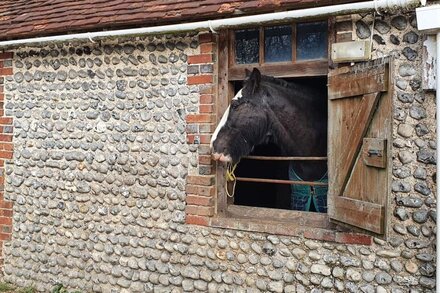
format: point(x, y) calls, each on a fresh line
point(360, 113)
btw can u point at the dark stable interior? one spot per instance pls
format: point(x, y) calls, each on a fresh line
point(269, 195)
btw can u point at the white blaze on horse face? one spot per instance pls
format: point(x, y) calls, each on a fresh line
point(224, 119)
point(238, 95)
point(220, 126)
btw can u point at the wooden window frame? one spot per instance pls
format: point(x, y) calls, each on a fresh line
point(228, 215)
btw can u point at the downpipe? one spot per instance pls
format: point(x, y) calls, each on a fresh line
point(214, 25)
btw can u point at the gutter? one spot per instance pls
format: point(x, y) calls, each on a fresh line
point(214, 25)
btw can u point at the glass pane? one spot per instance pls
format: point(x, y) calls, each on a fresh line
point(311, 40)
point(247, 46)
point(278, 44)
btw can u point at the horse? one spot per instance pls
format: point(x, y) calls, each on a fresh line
point(269, 110)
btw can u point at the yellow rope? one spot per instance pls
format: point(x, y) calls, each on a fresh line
point(230, 177)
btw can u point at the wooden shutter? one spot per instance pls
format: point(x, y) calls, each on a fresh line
point(360, 121)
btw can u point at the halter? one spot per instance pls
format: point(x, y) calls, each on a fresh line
point(230, 177)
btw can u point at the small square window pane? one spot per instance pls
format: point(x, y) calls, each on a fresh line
point(311, 40)
point(278, 44)
point(247, 46)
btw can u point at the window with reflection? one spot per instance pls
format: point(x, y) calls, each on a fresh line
point(299, 42)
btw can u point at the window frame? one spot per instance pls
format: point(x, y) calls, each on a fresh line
point(286, 69)
point(280, 221)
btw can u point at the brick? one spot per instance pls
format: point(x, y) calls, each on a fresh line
point(5, 213)
point(200, 190)
point(205, 159)
point(200, 118)
point(206, 99)
point(206, 108)
point(199, 79)
point(5, 221)
point(202, 58)
point(200, 180)
point(351, 238)
point(5, 137)
point(206, 48)
point(197, 220)
point(344, 37)
point(199, 210)
point(204, 149)
point(206, 68)
point(206, 38)
point(206, 170)
point(192, 128)
point(6, 120)
point(6, 204)
point(5, 71)
point(6, 155)
point(193, 69)
point(318, 234)
point(207, 89)
point(206, 190)
point(6, 146)
point(344, 26)
point(2, 64)
point(5, 236)
point(191, 189)
point(199, 200)
point(6, 55)
point(207, 128)
point(5, 229)
point(198, 138)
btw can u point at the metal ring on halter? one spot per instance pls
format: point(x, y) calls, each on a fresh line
point(210, 27)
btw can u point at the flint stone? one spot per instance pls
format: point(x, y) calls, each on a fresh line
point(381, 26)
point(362, 29)
point(401, 213)
point(400, 186)
point(426, 156)
point(401, 172)
point(410, 37)
point(409, 201)
point(422, 187)
point(407, 70)
point(421, 129)
point(320, 269)
point(394, 40)
point(409, 53)
point(417, 112)
point(399, 22)
point(416, 243)
point(378, 39)
point(383, 278)
point(405, 130)
point(400, 228)
point(420, 216)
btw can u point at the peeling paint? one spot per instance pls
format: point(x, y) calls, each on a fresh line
point(429, 66)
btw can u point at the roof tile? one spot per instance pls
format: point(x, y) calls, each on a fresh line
point(32, 18)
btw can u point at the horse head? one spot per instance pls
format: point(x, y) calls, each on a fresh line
point(244, 124)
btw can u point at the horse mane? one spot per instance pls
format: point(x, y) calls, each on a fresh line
point(306, 94)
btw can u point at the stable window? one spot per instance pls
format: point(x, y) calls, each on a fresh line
point(355, 104)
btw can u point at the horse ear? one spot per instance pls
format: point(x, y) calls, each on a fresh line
point(254, 80)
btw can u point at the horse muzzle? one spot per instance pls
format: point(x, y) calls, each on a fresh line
point(222, 157)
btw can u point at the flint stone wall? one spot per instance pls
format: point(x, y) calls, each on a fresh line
point(99, 168)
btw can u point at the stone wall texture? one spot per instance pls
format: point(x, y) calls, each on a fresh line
point(106, 136)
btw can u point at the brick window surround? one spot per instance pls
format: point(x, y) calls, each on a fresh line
point(6, 153)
